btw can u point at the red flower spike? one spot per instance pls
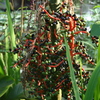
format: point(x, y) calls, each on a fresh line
point(72, 46)
point(26, 64)
point(48, 13)
point(78, 32)
point(57, 64)
point(72, 24)
point(53, 17)
point(61, 82)
point(15, 65)
point(48, 69)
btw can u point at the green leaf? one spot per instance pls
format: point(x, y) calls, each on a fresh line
point(98, 6)
point(14, 92)
point(5, 83)
point(98, 59)
point(95, 30)
point(3, 90)
point(92, 83)
point(2, 37)
point(1, 71)
point(2, 64)
point(3, 51)
point(10, 24)
point(75, 87)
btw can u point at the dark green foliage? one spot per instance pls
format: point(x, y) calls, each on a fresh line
point(5, 83)
point(95, 30)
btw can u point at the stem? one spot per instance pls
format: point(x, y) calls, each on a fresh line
point(53, 6)
point(60, 95)
point(6, 54)
point(22, 16)
point(98, 59)
point(81, 78)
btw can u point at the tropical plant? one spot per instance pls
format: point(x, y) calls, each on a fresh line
point(50, 56)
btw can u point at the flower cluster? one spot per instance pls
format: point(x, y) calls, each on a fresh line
point(44, 63)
